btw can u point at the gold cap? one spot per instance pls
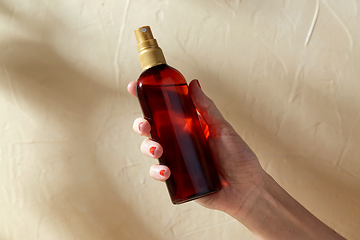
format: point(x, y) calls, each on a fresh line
point(150, 54)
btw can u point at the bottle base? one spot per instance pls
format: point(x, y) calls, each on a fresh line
point(195, 196)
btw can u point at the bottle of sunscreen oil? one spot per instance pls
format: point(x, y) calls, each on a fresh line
point(165, 101)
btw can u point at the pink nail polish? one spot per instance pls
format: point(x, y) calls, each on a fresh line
point(140, 125)
point(162, 173)
point(152, 150)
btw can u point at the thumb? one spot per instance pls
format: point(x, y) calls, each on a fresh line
point(208, 111)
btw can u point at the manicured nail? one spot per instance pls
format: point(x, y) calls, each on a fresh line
point(140, 126)
point(152, 150)
point(162, 173)
point(198, 83)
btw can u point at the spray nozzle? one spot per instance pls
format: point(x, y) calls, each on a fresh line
point(149, 52)
point(143, 34)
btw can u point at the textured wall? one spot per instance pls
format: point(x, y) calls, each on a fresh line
point(70, 165)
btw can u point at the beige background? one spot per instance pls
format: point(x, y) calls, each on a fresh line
point(70, 165)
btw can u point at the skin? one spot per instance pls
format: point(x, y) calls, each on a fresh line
point(248, 194)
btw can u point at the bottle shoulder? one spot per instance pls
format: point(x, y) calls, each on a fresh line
point(161, 75)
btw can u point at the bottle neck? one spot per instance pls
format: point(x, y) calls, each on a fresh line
point(150, 54)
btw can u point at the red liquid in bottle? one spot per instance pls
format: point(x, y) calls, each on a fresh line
point(167, 105)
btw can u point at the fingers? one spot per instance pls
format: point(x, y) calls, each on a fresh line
point(207, 109)
point(154, 150)
point(160, 172)
point(148, 147)
point(151, 149)
point(131, 87)
point(142, 127)
point(204, 105)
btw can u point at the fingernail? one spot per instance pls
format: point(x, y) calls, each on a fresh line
point(162, 173)
point(140, 126)
point(198, 83)
point(152, 150)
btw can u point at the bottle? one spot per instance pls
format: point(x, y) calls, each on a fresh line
point(165, 101)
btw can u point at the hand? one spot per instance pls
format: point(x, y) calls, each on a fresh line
point(239, 169)
point(248, 193)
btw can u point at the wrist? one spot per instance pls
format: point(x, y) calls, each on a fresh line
point(271, 213)
point(255, 202)
point(267, 213)
point(244, 202)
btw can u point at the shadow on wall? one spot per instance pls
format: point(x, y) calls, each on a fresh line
point(47, 87)
point(54, 94)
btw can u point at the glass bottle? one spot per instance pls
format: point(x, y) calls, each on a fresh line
point(166, 103)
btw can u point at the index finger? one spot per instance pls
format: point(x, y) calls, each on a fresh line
point(131, 87)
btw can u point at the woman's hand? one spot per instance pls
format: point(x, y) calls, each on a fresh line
point(240, 172)
point(248, 193)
